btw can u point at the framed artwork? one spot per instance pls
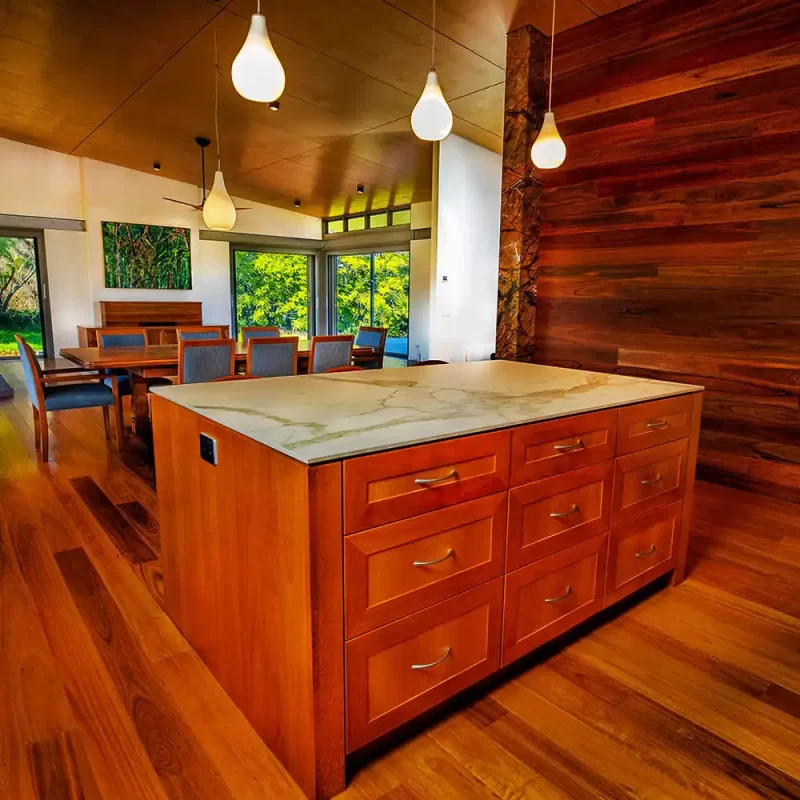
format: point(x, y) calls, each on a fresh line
point(146, 256)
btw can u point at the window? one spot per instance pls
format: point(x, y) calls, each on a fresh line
point(272, 289)
point(371, 221)
point(334, 226)
point(372, 289)
point(402, 217)
point(356, 223)
point(380, 220)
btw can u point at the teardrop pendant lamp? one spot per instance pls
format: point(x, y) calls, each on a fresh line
point(219, 213)
point(432, 119)
point(549, 150)
point(257, 71)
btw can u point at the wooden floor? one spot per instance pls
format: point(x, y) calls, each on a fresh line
point(693, 693)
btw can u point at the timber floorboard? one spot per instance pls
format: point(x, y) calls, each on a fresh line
point(692, 692)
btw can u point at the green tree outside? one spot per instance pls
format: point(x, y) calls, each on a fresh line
point(19, 295)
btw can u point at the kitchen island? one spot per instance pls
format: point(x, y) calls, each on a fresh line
point(347, 551)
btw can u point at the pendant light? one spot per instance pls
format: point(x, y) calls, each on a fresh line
point(432, 119)
point(257, 71)
point(549, 150)
point(219, 213)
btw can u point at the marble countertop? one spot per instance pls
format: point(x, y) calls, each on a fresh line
point(318, 418)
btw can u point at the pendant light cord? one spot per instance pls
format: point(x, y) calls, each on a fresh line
point(216, 96)
point(552, 42)
point(433, 38)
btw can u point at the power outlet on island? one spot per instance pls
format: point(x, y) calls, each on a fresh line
point(208, 449)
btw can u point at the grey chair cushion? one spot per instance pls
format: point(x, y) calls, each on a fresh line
point(193, 336)
point(61, 397)
point(123, 340)
point(248, 335)
point(27, 374)
point(331, 354)
point(203, 364)
point(272, 360)
point(369, 338)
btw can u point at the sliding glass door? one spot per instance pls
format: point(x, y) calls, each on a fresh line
point(372, 289)
point(23, 292)
point(272, 289)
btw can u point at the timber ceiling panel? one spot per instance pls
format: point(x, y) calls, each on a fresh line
point(133, 82)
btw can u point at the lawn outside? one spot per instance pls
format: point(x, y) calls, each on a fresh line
point(8, 346)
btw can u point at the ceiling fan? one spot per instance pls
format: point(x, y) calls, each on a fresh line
point(202, 142)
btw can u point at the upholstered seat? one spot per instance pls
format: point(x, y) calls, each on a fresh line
point(374, 338)
point(109, 338)
point(203, 361)
point(330, 351)
point(272, 357)
point(262, 332)
point(62, 397)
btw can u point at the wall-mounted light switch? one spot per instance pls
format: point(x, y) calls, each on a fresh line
point(208, 449)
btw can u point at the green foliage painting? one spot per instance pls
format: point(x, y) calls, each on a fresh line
point(272, 289)
point(146, 256)
point(19, 294)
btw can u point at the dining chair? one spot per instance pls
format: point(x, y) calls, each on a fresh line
point(191, 333)
point(63, 390)
point(343, 369)
point(371, 337)
point(202, 360)
point(272, 357)
point(110, 338)
point(329, 351)
point(262, 332)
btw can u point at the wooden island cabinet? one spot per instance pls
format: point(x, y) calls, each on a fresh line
point(347, 551)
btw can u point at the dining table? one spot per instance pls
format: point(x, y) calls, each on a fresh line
point(151, 362)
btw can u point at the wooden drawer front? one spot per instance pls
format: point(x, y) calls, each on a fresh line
point(650, 424)
point(648, 480)
point(388, 571)
point(640, 551)
point(403, 483)
point(552, 514)
point(550, 596)
point(384, 690)
point(550, 448)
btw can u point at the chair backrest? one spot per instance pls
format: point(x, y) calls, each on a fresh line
point(272, 357)
point(31, 372)
point(193, 333)
point(201, 361)
point(261, 332)
point(121, 337)
point(344, 369)
point(371, 337)
point(330, 351)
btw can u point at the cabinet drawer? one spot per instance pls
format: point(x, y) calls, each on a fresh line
point(398, 671)
point(649, 424)
point(552, 514)
point(552, 595)
point(386, 487)
point(550, 448)
point(408, 565)
point(641, 551)
point(648, 479)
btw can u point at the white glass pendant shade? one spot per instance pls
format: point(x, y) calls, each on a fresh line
point(257, 71)
point(432, 118)
point(218, 211)
point(549, 150)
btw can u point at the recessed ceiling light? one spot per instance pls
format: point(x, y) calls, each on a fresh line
point(157, 166)
point(297, 204)
point(360, 188)
point(275, 105)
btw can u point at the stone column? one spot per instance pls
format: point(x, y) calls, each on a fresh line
point(526, 65)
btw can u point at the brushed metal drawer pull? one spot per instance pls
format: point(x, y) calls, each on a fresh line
point(657, 479)
point(433, 663)
point(566, 448)
point(559, 599)
point(447, 555)
point(558, 514)
point(429, 481)
point(646, 552)
point(660, 423)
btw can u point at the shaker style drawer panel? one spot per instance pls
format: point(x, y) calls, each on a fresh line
point(550, 515)
point(396, 672)
point(400, 484)
point(550, 596)
point(550, 448)
point(403, 567)
point(640, 551)
point(657, 422)
point(648, 479)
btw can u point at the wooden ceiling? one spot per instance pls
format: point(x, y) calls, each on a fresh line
point(132, 82)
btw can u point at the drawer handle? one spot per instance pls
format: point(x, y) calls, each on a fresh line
point(559, 599)
point(447, 555)
point(429, 481)
point(566, 448)
point(433, 663)
point(657, 479)
point(659, 423)
point(646, 552)
point(558, 514)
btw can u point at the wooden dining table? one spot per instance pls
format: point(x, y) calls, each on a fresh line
point(144, 364)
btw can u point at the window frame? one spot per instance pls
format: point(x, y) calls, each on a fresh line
point(344, 219)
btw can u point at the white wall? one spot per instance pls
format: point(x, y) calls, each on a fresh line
point(466, 207)
point(42, 183)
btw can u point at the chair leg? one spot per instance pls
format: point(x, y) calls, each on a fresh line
point(119, 421)
point(105, 422)
point(45, 436)
point(37, 434)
